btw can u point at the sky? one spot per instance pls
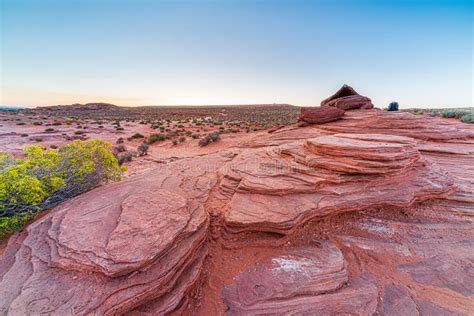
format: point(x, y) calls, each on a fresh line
point(143, 52)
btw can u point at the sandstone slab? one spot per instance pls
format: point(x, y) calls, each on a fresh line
point(310, 279)
point(320, 114)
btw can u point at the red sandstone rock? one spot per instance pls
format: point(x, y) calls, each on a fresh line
point(347, 98)
point(362, 153)
point(392, 191)
point(115, 248)
point(320, 114)
point(311, 279)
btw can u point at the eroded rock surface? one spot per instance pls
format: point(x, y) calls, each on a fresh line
point(370, 214)
point(346, 98)
point(320, 114)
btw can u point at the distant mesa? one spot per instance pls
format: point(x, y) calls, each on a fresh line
point(82, 107)
point(347, 98)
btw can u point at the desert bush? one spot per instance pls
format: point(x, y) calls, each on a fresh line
point(120, 148)
point(204, 141)
point(48, 176)
point(119, 128)
point(153, 138)
point(79, 132)
point(175, 142)
point(10, 224)
point(143, 149)
point(37, 139)
point(393, 106)
point(57, 123)
point(126, 157)
point(21, 123)
point(448, 114)
point(212, 137)
point(24, 135)
point(37, 123)
point(195, 136)
point(182, 139)
point(137, 135)
point(49, 130)
point(120, 140)
point(468, 118)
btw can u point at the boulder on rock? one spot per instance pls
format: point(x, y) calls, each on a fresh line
point(347, 98)
point(320, 114)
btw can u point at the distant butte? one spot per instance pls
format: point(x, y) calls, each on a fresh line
point(367, 214)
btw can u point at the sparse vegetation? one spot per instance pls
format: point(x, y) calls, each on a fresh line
point(48, 176)
point(126, 157)
point(137, 136)
point(153, 138)
point(463, 114)
point(120, 148)
point(212, 137)
point(143, 149)
point(393, 106)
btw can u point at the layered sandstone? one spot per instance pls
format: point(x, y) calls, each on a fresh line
point(115, 248)
point(370, 214)
point(302, 281)
point(320, 114)
point(346, 98)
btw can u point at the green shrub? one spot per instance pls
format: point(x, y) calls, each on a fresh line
point(393, 106)
point(48, 176)
point(137, 135)
point(448, 114)
point(10, 224)
point(468, 118)
point(153, 138)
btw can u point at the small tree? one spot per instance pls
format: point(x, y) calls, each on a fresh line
point(393, 106)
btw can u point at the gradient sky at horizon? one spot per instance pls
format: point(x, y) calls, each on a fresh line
point(419, 53)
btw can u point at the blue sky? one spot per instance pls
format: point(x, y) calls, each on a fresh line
point(419, 53)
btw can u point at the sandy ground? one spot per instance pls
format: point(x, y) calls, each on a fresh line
point(14, 137)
